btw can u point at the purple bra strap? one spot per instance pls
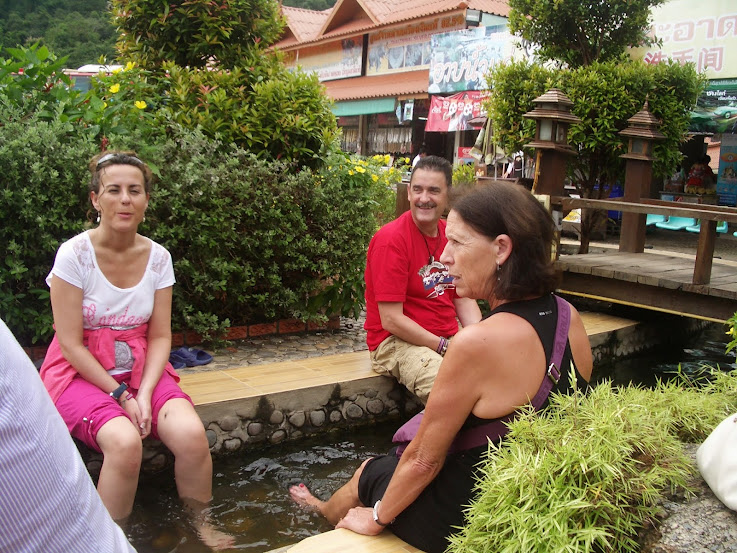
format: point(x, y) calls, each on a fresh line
point(479, 435)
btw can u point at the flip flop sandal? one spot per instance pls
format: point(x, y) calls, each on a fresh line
point(191, 357)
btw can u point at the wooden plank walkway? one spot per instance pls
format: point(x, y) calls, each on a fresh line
point(654, 280)
point(209, 387)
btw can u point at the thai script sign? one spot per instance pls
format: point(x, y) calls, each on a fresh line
point(703, 32)
point(407, 48)
point(460, 60)
point(334, 60)
point(453, 113)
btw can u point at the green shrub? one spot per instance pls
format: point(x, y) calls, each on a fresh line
point(43, 201)
point(255, 240)
point(587, 475)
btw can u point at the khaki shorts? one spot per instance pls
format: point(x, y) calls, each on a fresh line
point(413, 366)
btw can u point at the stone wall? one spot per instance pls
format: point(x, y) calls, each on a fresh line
point(271, 419)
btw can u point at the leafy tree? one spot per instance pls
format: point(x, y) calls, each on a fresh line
point(604, 95)
point(196, 33)
point(580, 33)
point(214, 66)
point(607, 88)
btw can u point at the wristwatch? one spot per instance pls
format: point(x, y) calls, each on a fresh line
point(376, 515)
point(117, 392)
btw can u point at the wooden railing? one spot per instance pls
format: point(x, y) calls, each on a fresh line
point(632, 236)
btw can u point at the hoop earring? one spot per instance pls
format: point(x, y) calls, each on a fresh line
point(98, 217)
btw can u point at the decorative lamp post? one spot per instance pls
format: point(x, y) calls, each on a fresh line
point(552, 117)
point(642, 131)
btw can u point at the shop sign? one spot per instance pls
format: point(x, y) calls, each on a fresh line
point(407, 48)
point(460, 60)
point(716, 108)
point(453, 113)
point(334, 60)
point(703, 32)
point(727, 174)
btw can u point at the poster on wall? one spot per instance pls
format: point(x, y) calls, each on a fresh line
point(407, 48)
point(454, 113)
point(337, 60)
point(461, 59)
point(727, 174)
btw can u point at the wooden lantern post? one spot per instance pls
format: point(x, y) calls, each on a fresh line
point(552, 117)
point(642, 131)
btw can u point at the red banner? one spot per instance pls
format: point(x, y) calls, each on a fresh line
point(453, 113)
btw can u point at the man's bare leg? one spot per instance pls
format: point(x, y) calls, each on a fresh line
point(338, 505)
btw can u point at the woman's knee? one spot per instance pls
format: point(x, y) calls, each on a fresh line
point(184, 434)
point(121, 444)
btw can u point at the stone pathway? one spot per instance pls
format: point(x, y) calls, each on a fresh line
point(286, 347)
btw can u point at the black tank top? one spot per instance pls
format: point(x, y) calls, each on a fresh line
point(542, 314)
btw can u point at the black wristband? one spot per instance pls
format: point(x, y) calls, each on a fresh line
point(117, 392)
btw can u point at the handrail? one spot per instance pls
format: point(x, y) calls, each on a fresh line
point(632, 236)
point(658, 207)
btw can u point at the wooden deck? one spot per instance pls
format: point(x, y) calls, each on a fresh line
point(659, 281)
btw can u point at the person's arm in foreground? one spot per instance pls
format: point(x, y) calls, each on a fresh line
point(48, 501)
point(455, 393)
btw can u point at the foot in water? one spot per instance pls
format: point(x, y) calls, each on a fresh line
point(213, 538)
point(304, 498)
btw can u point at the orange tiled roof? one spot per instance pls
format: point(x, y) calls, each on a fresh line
point(379, 86)
point(354, 16)
point(304, 24)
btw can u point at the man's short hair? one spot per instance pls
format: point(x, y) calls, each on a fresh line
point(435, 163)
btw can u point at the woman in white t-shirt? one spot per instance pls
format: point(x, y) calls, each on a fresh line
point(107, 368)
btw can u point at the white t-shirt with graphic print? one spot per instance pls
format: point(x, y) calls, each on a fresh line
point(103, 304)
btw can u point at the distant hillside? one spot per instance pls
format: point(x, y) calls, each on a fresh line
point(80, 29)
point(310, 4)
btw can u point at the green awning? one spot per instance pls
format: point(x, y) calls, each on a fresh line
point(363, 107)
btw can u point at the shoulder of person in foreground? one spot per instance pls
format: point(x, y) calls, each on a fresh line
point(48, 501)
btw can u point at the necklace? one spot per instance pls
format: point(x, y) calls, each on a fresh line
point(431, 256)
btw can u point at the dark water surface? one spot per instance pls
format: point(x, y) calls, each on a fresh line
point(250, 488)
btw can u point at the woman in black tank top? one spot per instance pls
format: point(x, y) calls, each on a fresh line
point(499, 239)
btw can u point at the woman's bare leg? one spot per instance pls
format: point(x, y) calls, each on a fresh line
point(338, 505)
point(181, 430)
point(121, 465)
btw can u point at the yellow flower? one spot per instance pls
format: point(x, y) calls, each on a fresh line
point(351, 173)
point(128, 66)
point(104, 105)
point(374, 178)
point(115, 88)
point(117, 70)
point(406, 161)
point(360, 169)
point(387, 159)
point(140, 104)
point(730, 331)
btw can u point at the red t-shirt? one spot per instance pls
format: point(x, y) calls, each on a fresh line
point(397, 270)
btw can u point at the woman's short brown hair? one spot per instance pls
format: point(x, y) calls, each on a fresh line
point(506, 208)
point(112, 157)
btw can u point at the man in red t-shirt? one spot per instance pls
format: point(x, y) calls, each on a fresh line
point(412, 310)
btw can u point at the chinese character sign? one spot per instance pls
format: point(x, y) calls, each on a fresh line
point(703, 32)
